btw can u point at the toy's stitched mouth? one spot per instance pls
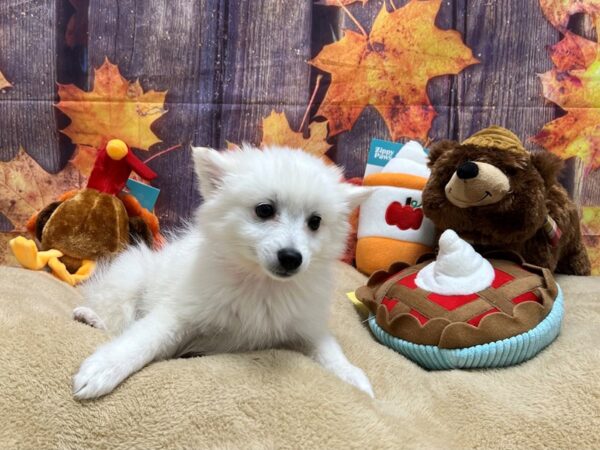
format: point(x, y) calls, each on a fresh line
point(467, 202)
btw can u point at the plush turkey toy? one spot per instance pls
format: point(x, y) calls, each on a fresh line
point(86, 225)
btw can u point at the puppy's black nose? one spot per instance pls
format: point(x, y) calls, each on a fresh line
point(289, 258)
point(467, 170)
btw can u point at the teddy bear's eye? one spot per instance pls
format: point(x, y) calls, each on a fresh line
point(510, 171)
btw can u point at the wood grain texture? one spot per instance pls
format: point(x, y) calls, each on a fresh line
point(228, 63)
point(265, 66)
point(175, 45)
point(510, 39)
point(590, 187)
point(353, 146)
point(28, 55)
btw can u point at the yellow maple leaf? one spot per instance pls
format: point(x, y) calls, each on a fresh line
point(4, 82)
point(26, 188)
point(590, 221)
point(593, 252)
point(114, 108)
point(558, 11)
point(276, 131)
point(577, 133)
point(390, 69)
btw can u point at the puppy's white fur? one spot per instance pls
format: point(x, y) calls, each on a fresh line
point(216, 287)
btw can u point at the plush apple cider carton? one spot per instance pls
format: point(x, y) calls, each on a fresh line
point(391, 226)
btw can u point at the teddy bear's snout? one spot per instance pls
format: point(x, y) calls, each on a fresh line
point(476, 184)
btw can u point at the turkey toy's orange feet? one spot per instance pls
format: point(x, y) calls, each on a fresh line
point(60, 271)
point(28, 255)
point(85, 271)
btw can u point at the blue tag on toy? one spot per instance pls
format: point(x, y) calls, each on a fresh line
point(145, 194)
point(380, 153)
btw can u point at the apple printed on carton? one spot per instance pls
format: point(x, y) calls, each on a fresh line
point(407, 216)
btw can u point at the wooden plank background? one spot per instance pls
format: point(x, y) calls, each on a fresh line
point(227, 64)
point(28, 57)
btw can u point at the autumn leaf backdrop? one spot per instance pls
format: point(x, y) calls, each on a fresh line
point(325, 75)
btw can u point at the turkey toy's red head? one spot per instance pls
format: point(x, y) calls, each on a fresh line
point(112, 168)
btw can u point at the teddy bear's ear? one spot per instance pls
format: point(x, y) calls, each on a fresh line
point(548, 165)
point(438, 148)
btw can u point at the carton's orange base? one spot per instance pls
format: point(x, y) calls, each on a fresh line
point(377, 253)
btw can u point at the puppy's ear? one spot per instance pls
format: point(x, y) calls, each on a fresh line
point(357, 194)
point(437, 149)
point(210, 166)
point(548, 165)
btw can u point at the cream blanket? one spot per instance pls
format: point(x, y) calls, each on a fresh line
point(281, 399)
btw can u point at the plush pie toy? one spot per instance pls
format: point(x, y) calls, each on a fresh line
point(462, 310)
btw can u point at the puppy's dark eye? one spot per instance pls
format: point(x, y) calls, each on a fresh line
point(314, 222)
point(264, 210)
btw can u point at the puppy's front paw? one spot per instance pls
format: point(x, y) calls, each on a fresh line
point(356, 377)
point(99, 374)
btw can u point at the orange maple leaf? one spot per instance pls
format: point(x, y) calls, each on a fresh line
point(573, 52)
point(4, 82)
point(26, 188)
point(558, 11)
point(590, 227)
point(390, 69)
point(276, 131)
point(84, 158)
point(115, 108)
point(577, 91)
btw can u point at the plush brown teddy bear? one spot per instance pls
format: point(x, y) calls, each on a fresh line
point(497, 195)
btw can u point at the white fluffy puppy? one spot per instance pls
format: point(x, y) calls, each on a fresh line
point(253, 271)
